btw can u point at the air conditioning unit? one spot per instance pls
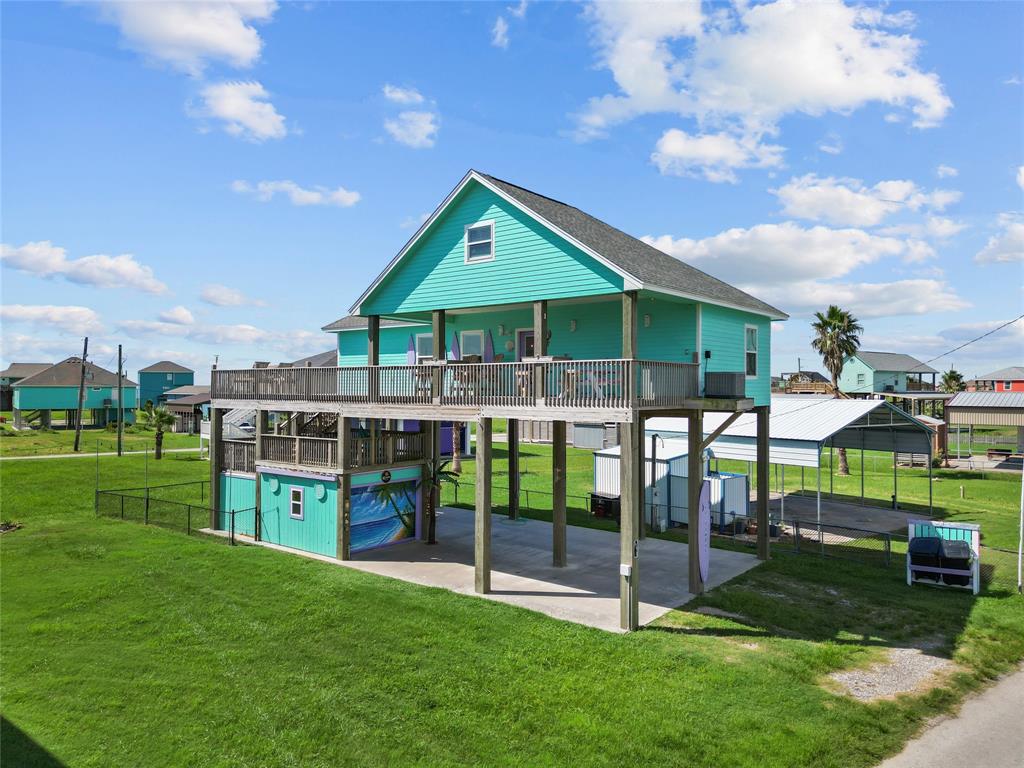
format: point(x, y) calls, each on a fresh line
point(725, 384)
point(107, 402)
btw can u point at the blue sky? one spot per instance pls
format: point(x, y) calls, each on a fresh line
point(197, 179)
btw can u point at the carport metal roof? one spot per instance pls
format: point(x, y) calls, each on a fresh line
point(800, 426)
point(1000, 409)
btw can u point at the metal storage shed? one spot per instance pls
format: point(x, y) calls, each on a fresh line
point(801, 426)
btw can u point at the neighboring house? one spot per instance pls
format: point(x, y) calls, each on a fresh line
point(189, 411)
point(1004, 380)
point(14, 373)
point(885, 373)
point(806, 383)
point(56, 389)
point(320, 360)
point(155, 381)
point(187, 390)
point(504, 304)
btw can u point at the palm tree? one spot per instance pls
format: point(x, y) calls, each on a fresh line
point(437, 474)
point(836, 338)
point(952, 381)
point(456, 453)
point(158, 419)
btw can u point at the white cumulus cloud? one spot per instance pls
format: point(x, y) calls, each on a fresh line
point(244, 109)
point(402, 95)
point(414, 128)
point(178, 315)
point(743, 69)
point(714, 156)
point(1020, 176)
point(225, 296)
point(946, 172)
point(1007, 245)
point(68, 319)
point(850, 202)
point(45, 259)
point(264, 191)
point(499, 33)
point(188, 35)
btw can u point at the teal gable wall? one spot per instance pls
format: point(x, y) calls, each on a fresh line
point(237, 494)
point(531, 263)
point(873, 381)
point(393, 345)
point(152, 384)
point(722, 331)
point(62, 398)
point(316, 532)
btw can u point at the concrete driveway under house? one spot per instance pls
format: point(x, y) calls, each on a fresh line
point(585, 591)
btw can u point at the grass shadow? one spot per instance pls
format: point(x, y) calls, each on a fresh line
point(18, 748)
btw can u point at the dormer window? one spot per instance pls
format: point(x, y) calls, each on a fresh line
point(479, 242)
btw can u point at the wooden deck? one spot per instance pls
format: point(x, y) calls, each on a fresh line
point(609, 390)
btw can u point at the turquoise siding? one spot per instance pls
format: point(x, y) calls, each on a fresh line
point(944, 532)
point(872, 381)
point(62, 398)
point(152, 384)
point(671, 334)
point(722, 331)
point(318, 530)
point(237, 493)
point(531, 263)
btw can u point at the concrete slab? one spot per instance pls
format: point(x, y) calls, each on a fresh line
point(842, 513)
point(586, 591)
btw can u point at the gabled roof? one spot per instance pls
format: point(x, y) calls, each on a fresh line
point(987, 400)
point(893, 361)
point(188, 390)
point(355, 323)
point(323, 360)
point(23, 370)
point(641, 265)
point(1013, 373)
point(187, 403)
point(67, 373)
point(165, 366)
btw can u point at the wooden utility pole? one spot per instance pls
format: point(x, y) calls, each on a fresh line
point(120, 401)
point(81, 396)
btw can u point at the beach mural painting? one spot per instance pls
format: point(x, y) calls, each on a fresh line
point(384, 510)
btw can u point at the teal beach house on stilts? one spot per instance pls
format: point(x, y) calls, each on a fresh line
point(504, 304)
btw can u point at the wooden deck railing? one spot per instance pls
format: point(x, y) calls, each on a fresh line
point(391, 447)
point(585, 384)
point(238, 455)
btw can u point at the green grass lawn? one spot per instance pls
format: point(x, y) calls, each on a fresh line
point(132, 645)
point(38, 443)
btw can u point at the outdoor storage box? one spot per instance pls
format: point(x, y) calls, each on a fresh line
point(956, 554)
point(604, 506)
point(926, 551)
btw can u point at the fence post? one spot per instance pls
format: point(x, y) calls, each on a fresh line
point(821, 539)
point(188, 528)
point(146, 513)
point(122, 506)
point(96, 502)
point(888, 549)
point(202, 490)
point(232, 528)
point(796, 535)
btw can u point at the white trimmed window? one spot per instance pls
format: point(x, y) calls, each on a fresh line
point(295, 503)
point(424, 347)
point(860, 379)
point(472, 343)
point(1007, 386)
point(750, 350)
point(479, 242)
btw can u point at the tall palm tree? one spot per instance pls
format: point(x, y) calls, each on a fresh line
point(456, 453)
point(836, 338)
point(952, 381)
point(159, 419)
point(437, 474)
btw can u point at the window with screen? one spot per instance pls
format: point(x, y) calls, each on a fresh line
point(751, 350)
point(480, 241)
point(295, 504)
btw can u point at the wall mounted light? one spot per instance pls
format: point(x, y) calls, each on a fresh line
point(647, 321)
point(572, 326)
point(501, 329)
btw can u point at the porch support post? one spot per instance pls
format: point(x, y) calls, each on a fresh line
point(630, 472)
point(261, 430)
point(373, 340)
point(762, 482)
point(540, 328)
point(629, 325)
point(432, 436)
point(558, 493)
point(482, 535)
point(694, 438)
point(513, 469)
point(437, 327)
point(344, 515)
point(641, 486)
point(216, 451)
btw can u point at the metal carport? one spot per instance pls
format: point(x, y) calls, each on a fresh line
point(802, 426)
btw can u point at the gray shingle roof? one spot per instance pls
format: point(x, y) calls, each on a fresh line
point(188, 390)
point(635, 257)
point(894, 361)
point(1013, 373)
point(355, 322)
point(321, 360)
point(67, 373)
point(165, 366)
point(24, 370)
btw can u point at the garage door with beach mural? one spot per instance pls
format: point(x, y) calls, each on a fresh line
point(385, 508)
